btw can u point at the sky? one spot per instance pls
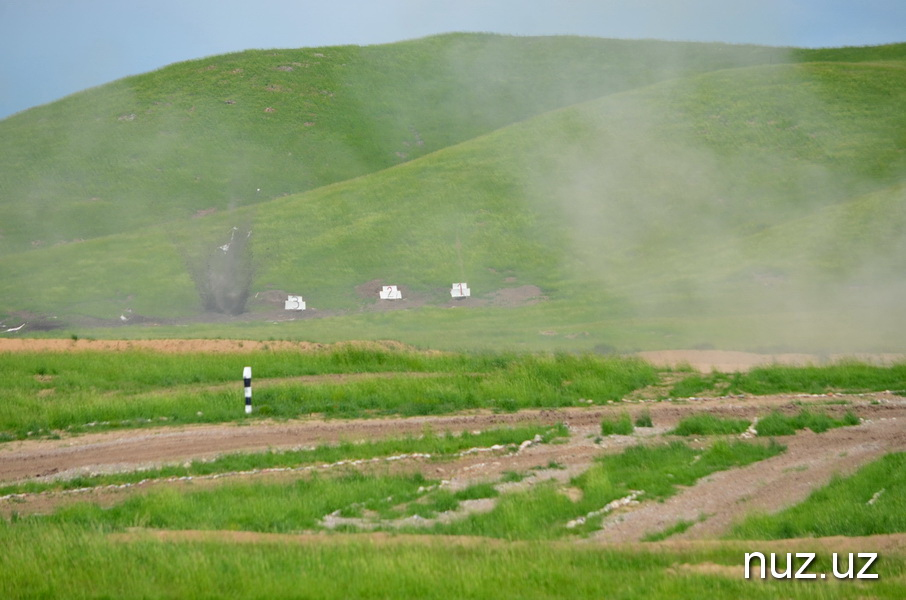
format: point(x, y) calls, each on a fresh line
point(52, 48)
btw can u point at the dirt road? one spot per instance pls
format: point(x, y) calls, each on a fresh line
point(809, 462)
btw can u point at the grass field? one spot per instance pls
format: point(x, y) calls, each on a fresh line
point(704, 424)
point(91, 564)
point(599, 197)
point(95, 390)
point(849, 377)
point(91, 391)
point(770, 425)
point(195, 135)
point(234, 524)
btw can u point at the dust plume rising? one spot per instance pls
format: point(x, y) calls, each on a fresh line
point(734, 196)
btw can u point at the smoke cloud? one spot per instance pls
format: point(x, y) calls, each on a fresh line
point(734, 193)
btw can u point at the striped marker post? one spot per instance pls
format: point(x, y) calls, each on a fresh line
point(247, 379)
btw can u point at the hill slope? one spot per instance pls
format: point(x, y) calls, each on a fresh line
point(747, 206)
point(232, 130)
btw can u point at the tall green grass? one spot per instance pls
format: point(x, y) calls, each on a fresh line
point(249, 505)
point(851, 377)
point(774, 424)
point(621, 425)
point(707, 424)
point(83, 391)
point(777, 423)
point(74, 554)
point(134, 370)
point(45, 560)
point(844, 377)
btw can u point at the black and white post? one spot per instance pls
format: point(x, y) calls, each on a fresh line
point(247, 379)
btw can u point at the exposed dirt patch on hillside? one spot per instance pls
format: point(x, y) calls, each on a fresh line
point(369, 292)
point(523, 295)
point(267, 306)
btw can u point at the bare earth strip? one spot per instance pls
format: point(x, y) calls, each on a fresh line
point(809, 462)
point(143, 448)
point(571, 458)
point(129, 450)
point(766, 486)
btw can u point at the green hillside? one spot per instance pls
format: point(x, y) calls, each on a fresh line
point(208, 134)
point(594, 194)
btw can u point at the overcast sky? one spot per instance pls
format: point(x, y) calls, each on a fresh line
point(52, 48)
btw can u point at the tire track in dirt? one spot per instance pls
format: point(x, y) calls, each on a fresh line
point(142, 448)
point(130, 450)
point(809, 462)
point(540, 461)
point(769, 485)
point(766, 486)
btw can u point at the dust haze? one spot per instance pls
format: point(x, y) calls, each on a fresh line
point(665, 213)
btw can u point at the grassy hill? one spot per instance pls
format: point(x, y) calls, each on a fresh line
point(208, 134)
point(656, 194)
